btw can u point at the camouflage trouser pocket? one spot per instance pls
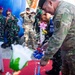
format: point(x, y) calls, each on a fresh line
point(70, 52)
point(68, 65)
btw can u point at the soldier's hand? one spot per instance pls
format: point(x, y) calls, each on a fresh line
point(12, 18)
point(44, 47)
point(43, 62)
point(22, 14)
point(7, 18)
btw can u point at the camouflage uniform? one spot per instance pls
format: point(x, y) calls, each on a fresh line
point(28, 26)
point(57, 62)
point(2, 26)
point(37, 19)
point(11, 30)
point(64, 37)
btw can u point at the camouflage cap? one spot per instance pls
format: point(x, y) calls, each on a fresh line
point(41, 2)
point(40, 11)
point(1, 8)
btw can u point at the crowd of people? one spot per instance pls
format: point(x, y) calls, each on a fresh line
point(8, 28)
point(40, 24)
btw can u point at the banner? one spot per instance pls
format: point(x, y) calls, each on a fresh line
point(27, 5)
point(20, 57)
point(34, 4)
point(29, 2)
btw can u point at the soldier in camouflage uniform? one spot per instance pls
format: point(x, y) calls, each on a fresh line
point(11, 29)
point(57, 62)
point(56, 66)
point(2, 24)
point(64, 35)
point(37, 19)
point(28, 26)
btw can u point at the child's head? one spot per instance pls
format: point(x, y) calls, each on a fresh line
point(45, 16)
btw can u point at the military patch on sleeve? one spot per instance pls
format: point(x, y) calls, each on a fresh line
point(57, 24)
point(57, 21)
point(58, 17)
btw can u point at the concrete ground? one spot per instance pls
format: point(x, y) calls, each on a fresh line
point(6, 53)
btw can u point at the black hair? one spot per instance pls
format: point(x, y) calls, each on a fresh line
point(41, 2)
point(28, 9)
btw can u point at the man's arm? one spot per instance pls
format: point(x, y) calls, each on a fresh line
point(62, 23)
point(22, 14)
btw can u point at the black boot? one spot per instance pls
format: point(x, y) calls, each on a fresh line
point(56, 68)
point(57, 62)
point(5, 45)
